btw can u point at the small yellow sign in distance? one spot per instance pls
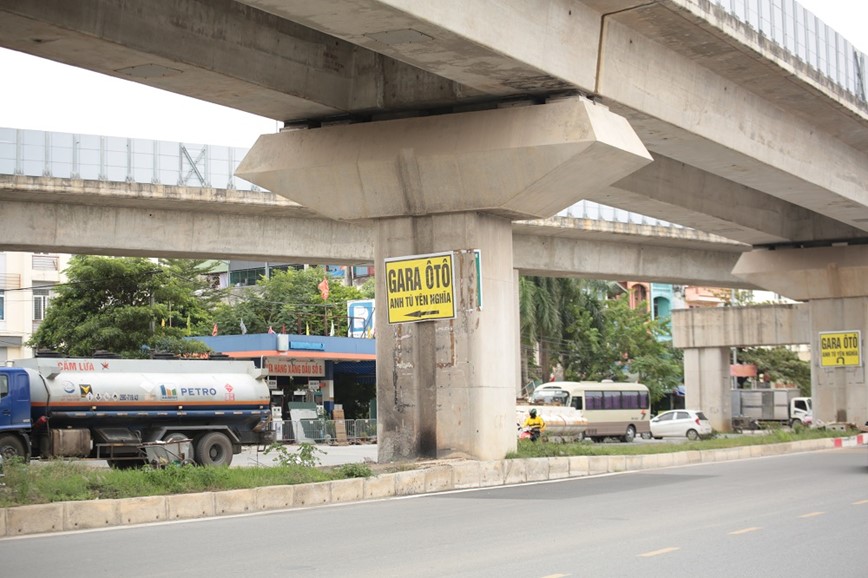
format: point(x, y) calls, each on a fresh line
point(420, 288)
point(840, 349)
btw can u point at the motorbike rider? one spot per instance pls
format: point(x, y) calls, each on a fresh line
point(534, 424)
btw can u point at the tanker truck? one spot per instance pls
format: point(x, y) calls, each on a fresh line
point(109, 408)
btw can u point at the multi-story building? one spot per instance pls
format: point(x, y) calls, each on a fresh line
point(27, 281)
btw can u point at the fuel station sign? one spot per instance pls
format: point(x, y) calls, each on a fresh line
point(420, 287)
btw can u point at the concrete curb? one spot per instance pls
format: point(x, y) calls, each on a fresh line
point(67, 516)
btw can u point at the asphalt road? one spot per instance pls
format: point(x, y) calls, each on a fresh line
point(799, 514)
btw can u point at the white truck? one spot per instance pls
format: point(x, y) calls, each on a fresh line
point(753, 407)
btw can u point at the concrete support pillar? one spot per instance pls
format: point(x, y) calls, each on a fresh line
point(707, 384)
point(840, 394)
point(834, 280)
point(446, 388)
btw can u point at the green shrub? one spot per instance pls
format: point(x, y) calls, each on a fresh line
point(356, 470)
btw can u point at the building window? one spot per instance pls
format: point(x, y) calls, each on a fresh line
point(40, 303)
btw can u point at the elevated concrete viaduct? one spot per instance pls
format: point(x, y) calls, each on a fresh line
point(442, 122)
point(147, 220)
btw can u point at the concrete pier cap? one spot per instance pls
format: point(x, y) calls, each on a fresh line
point(806, 274)
point(520, 162)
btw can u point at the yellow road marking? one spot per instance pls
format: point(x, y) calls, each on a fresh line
point(555, 576)
point(812, 514)
point(658, 552)
point(745, 531)
point(860, 502)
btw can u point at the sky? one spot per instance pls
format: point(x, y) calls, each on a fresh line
point(61, 98)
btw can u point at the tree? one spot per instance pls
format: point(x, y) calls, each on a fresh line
point(127, 306)
point(781, 364)
point(623, 345)
point(291, 298)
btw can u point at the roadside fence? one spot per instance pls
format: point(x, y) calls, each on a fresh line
point(330, 431)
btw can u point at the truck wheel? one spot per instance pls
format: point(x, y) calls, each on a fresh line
point(12, 447)
point(214, 449)
point(692, 435)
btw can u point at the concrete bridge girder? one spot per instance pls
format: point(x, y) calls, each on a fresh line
point(312, 62)
point(36, 209)
point(149, 232)
point(724, 125)
point(684, 194)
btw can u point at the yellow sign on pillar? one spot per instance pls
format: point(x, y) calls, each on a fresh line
point(840, 349)
point(420, 288)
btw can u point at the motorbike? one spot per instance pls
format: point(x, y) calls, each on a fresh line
point(529, 433)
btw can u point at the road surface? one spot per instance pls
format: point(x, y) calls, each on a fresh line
point(799, 514)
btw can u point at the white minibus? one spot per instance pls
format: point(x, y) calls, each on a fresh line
point(621, 410)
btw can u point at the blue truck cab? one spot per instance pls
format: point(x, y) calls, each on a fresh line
point(15, 416)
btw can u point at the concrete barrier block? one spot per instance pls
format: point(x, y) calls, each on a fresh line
point(90, 514)
point(536, 469)
point(729, 454)
point(756, 451)
point(708, 456)
point(3, 521)
point(579, 466)
point(665, 461)
point(771, 449)
point(650, 461)
point(382, 486)
point(36, 519)
point(314, 494)
point(743, 453)
point(680, 459)
point(467, 474)
point(273, 498)
point(409, 483)
point(515, 471)
point(234, 502)
point(492, 473)
point(598, 465)
point(438, 479)
point(188, 506)
point(617, 464)
point(93, 514)
point(349, 490)
point(693, 456)
point(633, 463)
point(142, 510)
point(559, 468)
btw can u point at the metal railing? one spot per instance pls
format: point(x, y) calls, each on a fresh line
point(801, 34)
point(62, 155)
point(330, 431)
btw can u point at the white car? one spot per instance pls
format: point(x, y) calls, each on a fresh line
point(680, 423)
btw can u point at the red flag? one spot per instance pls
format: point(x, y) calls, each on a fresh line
point(324, 288)
point(270, 330)
point(214, 331)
